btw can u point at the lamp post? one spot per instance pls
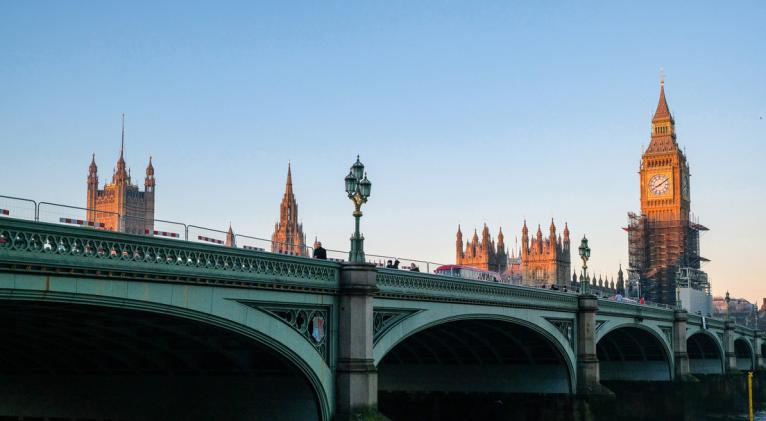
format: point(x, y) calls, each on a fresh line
point(584, 255)
point(727, 300)
point(358, 190)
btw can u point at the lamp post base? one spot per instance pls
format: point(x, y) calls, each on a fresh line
point(356, 255)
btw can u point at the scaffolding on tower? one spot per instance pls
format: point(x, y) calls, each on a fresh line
point(663, 255)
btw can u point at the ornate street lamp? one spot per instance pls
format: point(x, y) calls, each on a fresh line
point(358, 189)
point(727, 300)
point(584, 255)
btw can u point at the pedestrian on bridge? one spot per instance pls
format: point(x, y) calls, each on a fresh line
point(320, 252)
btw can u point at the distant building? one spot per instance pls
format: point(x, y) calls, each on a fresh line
point(120, 205)
point(545, 261)
point(482, 254)
point(742, 311)
point(288, 237)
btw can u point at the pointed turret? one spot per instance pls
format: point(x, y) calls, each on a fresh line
point(459, 246)
point(92, 189)
point(289, 183)
point(500, 241)
point(620, 281)
point(120, 172)
point(149, 180)
point(93, 168)
point(539, 239)
point(663, 111)
point(524, 241)
point(230, 238)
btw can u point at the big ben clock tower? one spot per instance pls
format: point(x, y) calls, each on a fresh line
point(663, 240)
point(664, 170)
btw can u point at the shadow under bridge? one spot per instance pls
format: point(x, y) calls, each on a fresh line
point(476, 356)
point(82, 361)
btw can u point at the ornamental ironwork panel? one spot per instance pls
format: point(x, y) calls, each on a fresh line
point(383, 319)
point(47, 245)
point(566, 327)
point(599, 324)
point(311, 322)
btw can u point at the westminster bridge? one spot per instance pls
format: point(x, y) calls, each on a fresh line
point(100, 324)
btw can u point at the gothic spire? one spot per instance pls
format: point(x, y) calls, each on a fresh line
point(289, 174)
point(93, 167)
point(121, 173)
point(663, 111)
point(122, 141)
point(288, 234)
point(230, 240)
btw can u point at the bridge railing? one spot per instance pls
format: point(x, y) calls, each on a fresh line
point(382, 261)
point(17, 207)
point(54, 246)
point(57, 213)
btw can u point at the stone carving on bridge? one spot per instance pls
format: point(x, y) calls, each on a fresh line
point(566, 327)
point(383, 319)
point(311, 322)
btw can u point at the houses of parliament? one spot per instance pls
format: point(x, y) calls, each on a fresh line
point(539, 261)
point(122, 206)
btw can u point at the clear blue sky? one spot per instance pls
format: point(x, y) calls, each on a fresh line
point(464, 112)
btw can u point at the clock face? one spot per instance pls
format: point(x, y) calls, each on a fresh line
point(659, 184)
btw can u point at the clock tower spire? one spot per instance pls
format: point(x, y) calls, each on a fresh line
point(664, 171)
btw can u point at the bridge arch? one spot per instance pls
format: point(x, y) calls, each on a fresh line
point(282, 348)
point(634, 352)
point(706, 353)
point(472, 342)
point(743, 351)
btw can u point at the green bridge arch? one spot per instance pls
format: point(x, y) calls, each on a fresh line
point(659, 371)
point(428, 315)
point(214, 306)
